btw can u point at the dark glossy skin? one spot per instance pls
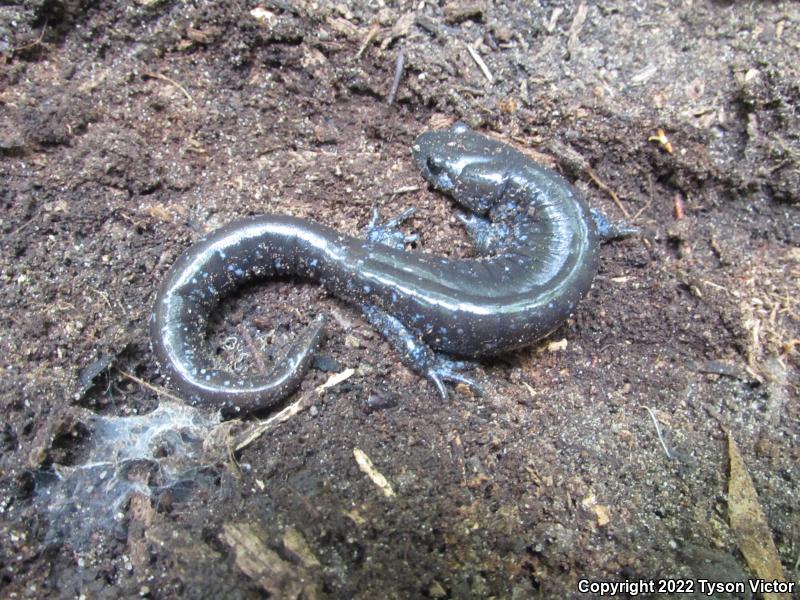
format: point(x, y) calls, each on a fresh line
point(539, 246)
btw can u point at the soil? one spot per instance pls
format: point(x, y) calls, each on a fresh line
point(129, 129)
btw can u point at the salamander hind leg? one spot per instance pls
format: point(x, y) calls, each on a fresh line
point(417, 356)
point(389, 233)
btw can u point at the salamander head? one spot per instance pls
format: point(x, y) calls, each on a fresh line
point(462, 163)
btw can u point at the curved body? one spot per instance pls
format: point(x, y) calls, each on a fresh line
point(538, 241)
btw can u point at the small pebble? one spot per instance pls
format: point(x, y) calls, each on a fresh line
point(381, 400)
point(327, 364)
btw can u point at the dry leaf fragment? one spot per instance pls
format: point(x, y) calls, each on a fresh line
point(262, 15)
point(202, 36)
point(749, 524)
point(436, 590)
point(603, 514)
point(159, 211)
point(508, 105)
point(355, 517)
point(601, 511)
point(296, 544)
point(400, 29)
point(553, 346)
point(662, 139)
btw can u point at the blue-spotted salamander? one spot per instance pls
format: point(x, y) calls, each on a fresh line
point(538, 252)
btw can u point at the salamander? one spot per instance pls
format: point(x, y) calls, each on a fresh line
point(537, 244)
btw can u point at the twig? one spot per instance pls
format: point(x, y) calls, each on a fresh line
point(405, 190)
point(640, 211)
point(153, 388)
point(10, 234)
point(481, 65)
point(469, 90)
point(335, 379)
point(649, 202)
point(154, 75)
point(366, 466)
point(551, 23)
point(32, 44)
point(248, 437)
point(399, 65)
point(370, 37)
point(658, 432)
point(607, 190)
point(716, 286)
point(102, 294)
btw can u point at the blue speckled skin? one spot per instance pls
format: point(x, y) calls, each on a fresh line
point(539, 252)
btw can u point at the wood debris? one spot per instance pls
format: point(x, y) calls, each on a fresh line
point(366, 466)
point(749, 524)
point(575, 28)
point(458, 12)
point(335, 379)
point(276, 576)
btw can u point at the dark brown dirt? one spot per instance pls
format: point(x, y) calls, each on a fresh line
point(128, 129)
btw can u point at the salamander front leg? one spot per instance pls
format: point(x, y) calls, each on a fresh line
point(389, 233)
point(611, 231)
point(417, 356)
point(489, 238)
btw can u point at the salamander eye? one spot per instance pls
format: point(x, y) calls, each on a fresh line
point(439, 174)
point(436, 164)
